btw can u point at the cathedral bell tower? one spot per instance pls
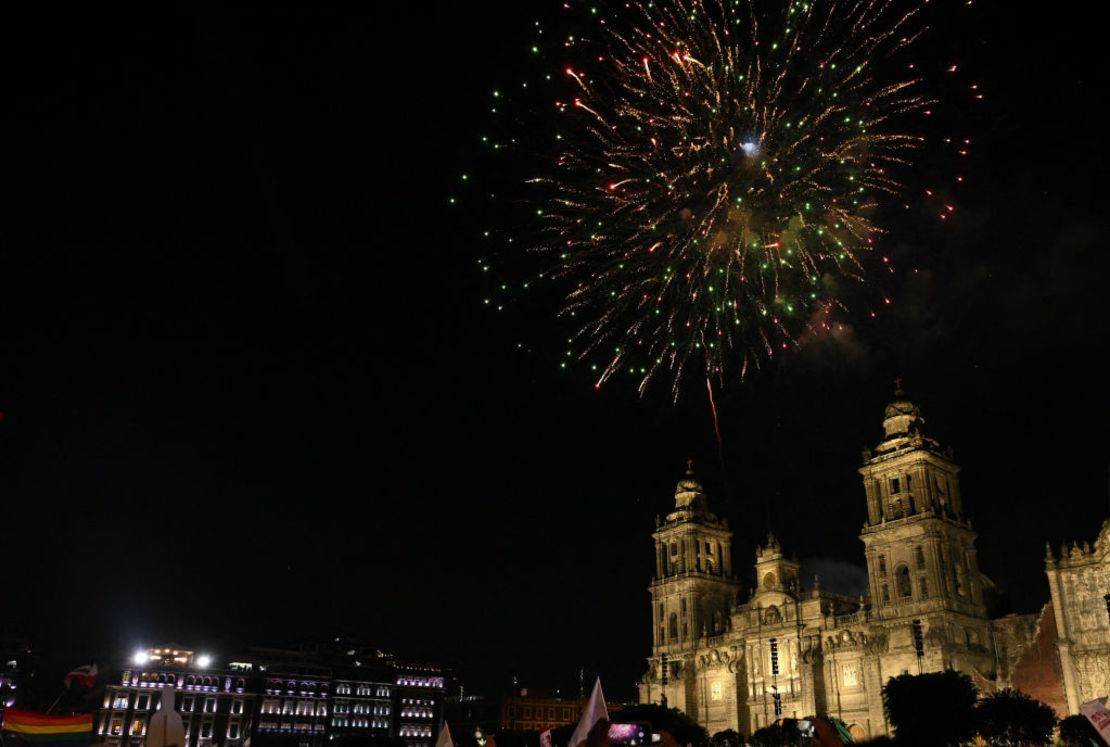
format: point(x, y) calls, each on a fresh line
point(693, 589)
point(920, 548)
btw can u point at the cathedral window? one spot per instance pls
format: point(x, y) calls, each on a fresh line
point(895, 486)
point(902, 582)
point(886, 593)
point(774, 657)
point(1107, 598)
point(923, 585)
point(919, 556)
point(882, 566)
point(674, 626)
point(684, 608)
point(685, 631)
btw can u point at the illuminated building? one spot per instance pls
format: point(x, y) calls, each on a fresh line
point(519, 711)
point(316, 694)
point(790, 650)
point(217, 706)
point(1080, 584)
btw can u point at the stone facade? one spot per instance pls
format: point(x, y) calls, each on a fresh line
point(1028, 659)
point(1079, 580)
point(789, 651)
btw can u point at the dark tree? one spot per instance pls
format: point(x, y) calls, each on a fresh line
point(770, 736)
point(784, 735)
point(727, 738)
point(1010, 717)
point(931, 709)
point(1076, 731)
point(684, 729)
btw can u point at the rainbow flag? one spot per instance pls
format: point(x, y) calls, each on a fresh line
point(42, 730)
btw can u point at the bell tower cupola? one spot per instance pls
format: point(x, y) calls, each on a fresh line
point(920, 548)
point(692, 593)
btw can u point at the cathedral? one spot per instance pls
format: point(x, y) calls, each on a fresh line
point(790, 651)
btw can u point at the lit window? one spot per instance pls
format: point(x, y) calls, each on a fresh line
point(774, 656)
point(137, 727)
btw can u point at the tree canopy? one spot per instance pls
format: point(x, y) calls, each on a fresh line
point(937, 708)
point(1010, 717)
point(1076, 731)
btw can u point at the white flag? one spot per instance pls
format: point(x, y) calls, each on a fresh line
point(166, 727)
point(595, 710)
point(444, 739)
point(1099, 716)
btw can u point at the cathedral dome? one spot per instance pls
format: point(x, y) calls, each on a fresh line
point(901, 407)
point(689, 493)
point(901, 416)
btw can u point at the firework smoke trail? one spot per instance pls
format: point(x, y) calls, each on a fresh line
point(720, 174)
point(716, 422)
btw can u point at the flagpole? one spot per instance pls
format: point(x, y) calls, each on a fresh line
point(51, 708)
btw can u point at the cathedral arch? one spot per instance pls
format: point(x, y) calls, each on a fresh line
point(902, 586)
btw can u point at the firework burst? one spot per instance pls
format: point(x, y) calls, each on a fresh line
point(716, 182)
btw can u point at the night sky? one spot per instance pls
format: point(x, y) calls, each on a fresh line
point(251, 395)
